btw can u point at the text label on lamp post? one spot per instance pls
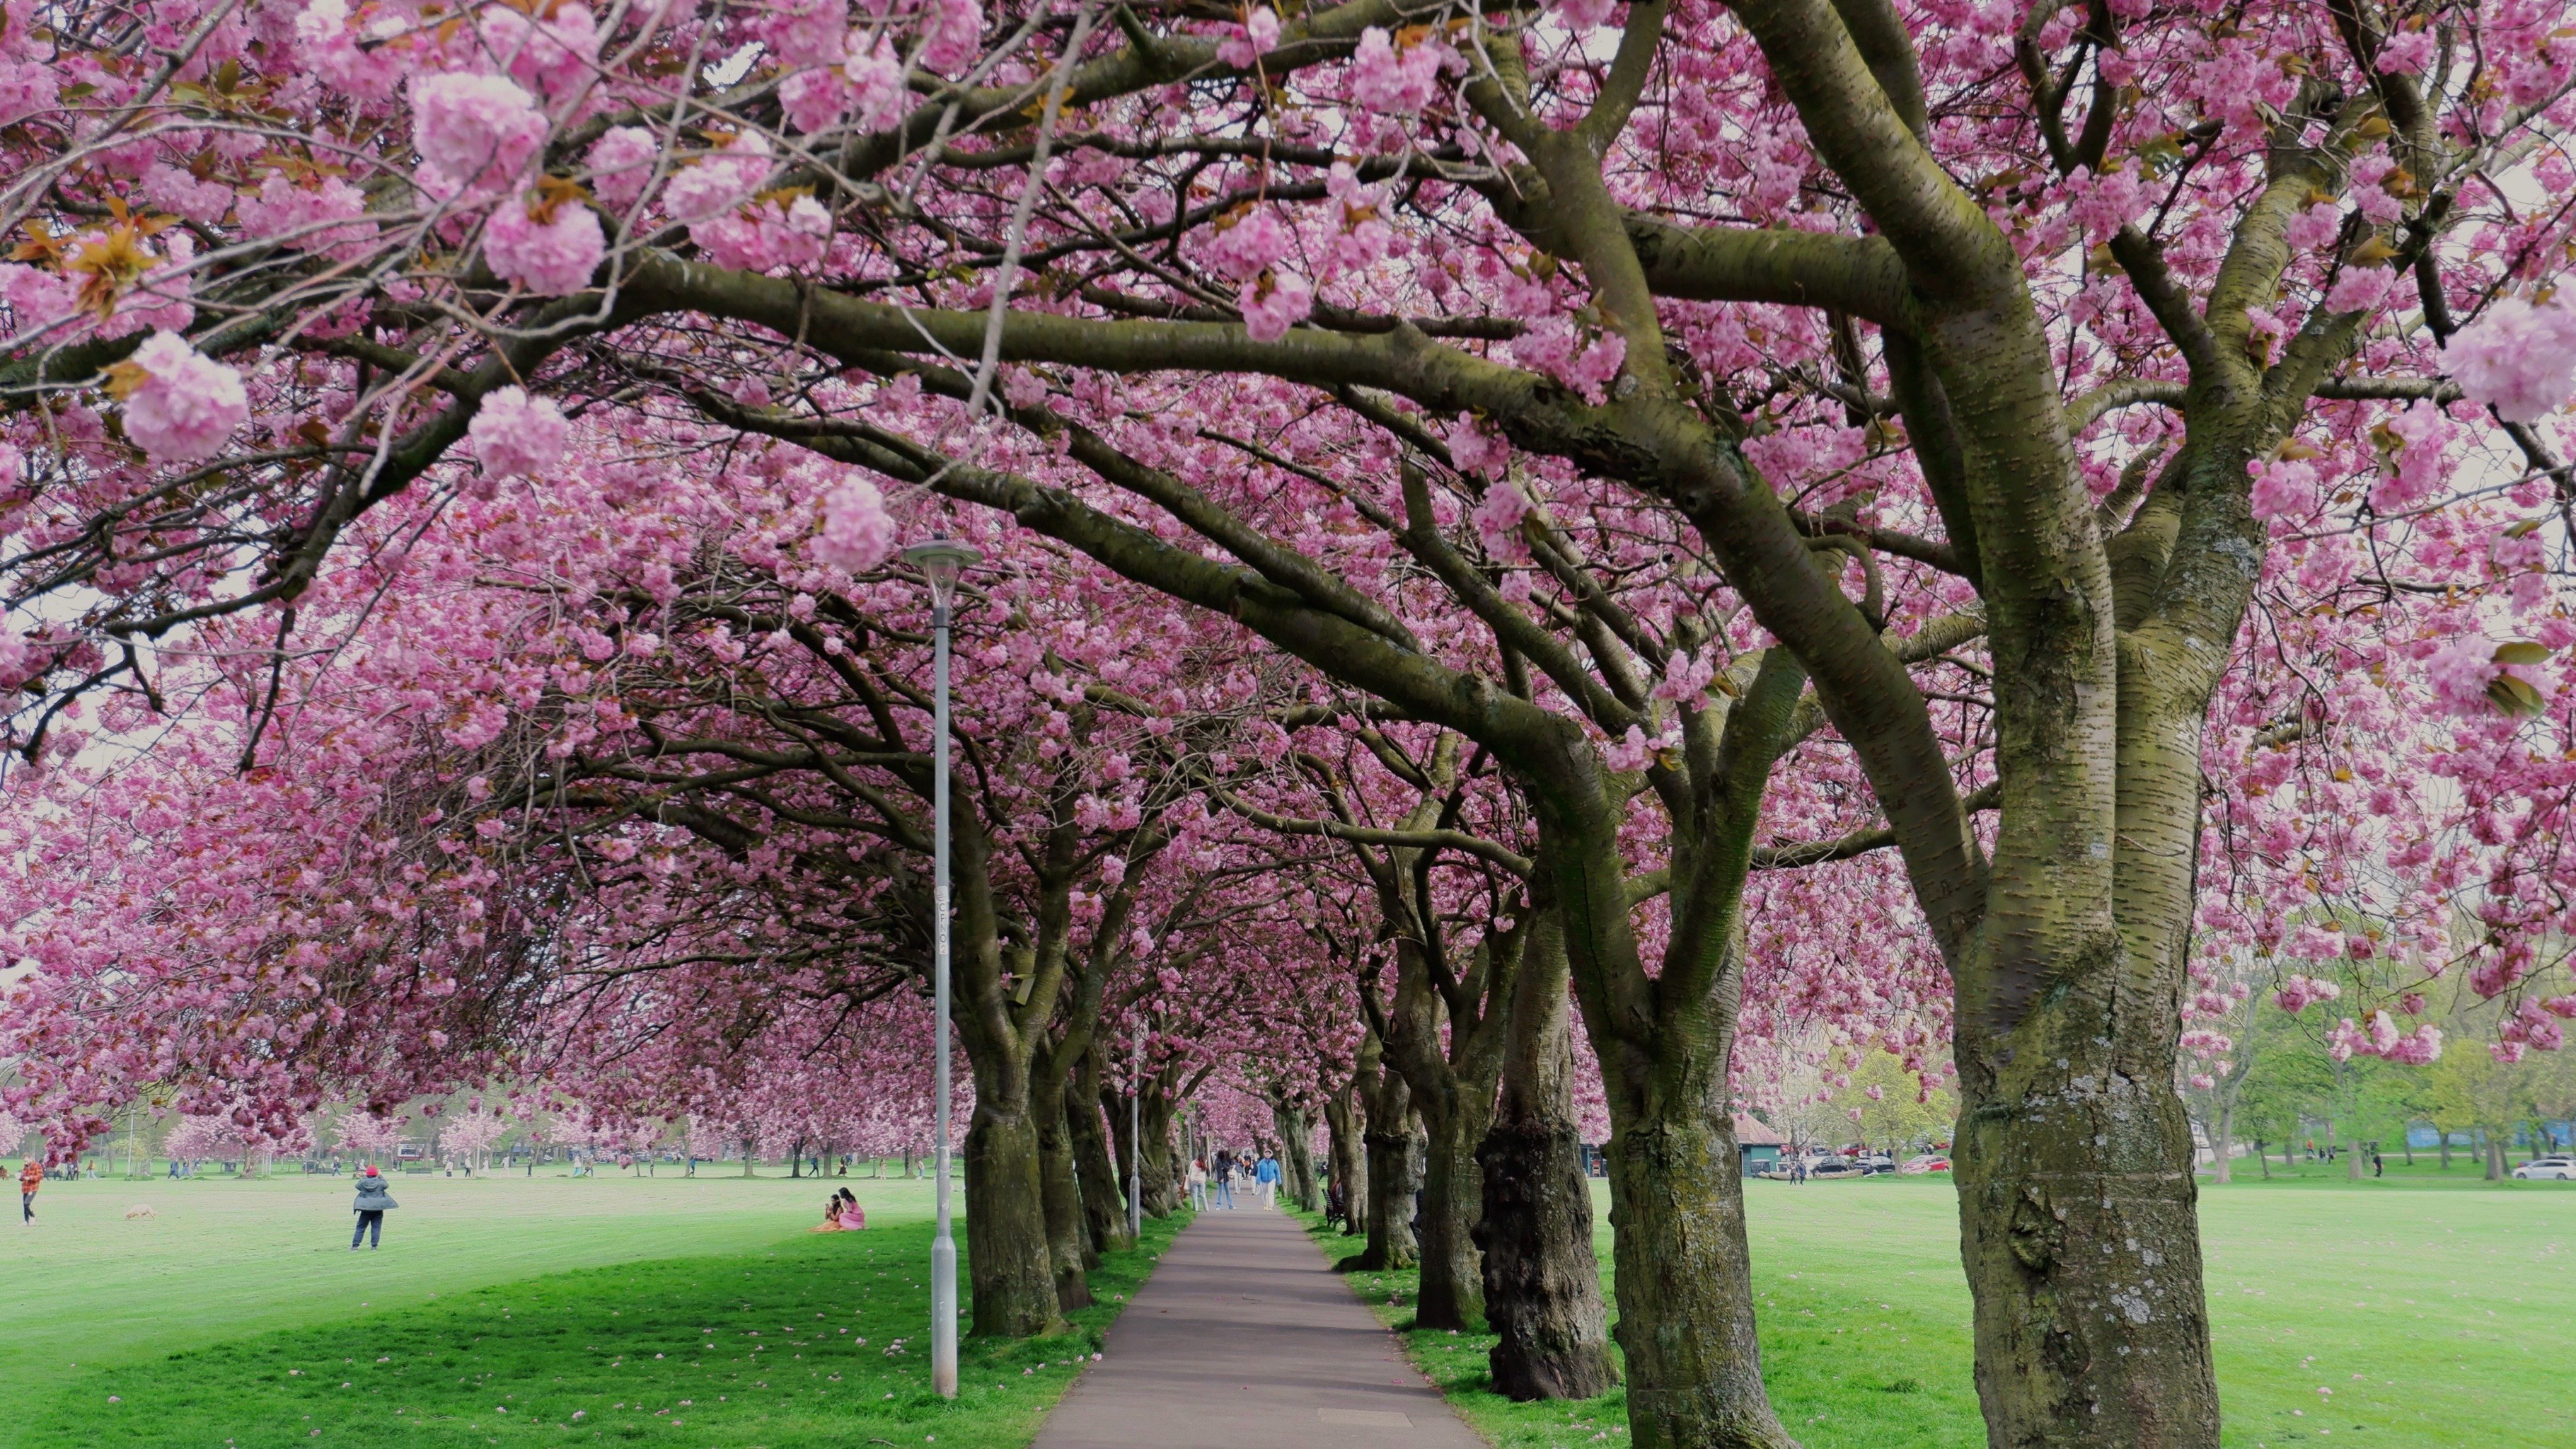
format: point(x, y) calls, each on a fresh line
point(941, 561)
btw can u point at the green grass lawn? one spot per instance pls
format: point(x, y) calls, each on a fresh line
point(498, 1310)
point(2437, 1310)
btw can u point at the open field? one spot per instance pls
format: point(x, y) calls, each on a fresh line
point(712, 1313)
point(2436, 1310)
point(225, 1257)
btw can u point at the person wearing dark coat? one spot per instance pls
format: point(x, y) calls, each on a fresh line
point(374, 1201)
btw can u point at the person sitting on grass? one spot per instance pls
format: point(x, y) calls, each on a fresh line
point(853, 1217)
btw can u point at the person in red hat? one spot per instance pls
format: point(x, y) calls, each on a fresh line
point(374, 1201)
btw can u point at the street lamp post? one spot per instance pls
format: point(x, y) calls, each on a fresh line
point(941, 561)
point(1136, 1141)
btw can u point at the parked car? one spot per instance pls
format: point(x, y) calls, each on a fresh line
point(1879, 1162)
point(1837, 1169)
point(1928, 1162)
point(2560, 1169)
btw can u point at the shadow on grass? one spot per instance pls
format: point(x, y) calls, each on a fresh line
point(1884, 1380)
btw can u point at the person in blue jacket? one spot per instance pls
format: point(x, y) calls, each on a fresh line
point(1267, 1174)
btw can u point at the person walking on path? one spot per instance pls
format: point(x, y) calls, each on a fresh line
point(1225, 1180)
point(1267, 1174)
point(31, 1175)
point(374, 1201)
point(1198, 1185)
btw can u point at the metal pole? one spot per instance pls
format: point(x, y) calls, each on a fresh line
point(943, 1246)
point(1136, 1142)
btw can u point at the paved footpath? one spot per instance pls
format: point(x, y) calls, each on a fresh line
point(1244, 1338)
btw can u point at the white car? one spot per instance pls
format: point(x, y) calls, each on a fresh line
point(2563, 1169)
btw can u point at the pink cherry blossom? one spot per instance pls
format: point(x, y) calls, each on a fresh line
point(1582, 15)
point(878, 95)
point(718, 183)
point(550, 258)
point(2517, 358)
point(1395, 83)
point(1260, 31)
point(187, 405)
point(1274, 302)
point(857, 534)
point(515, 435)
point(950, 30)
point(621, 164)
point(477, 130)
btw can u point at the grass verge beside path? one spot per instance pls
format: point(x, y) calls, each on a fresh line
point(2436, 1313)
point(86, 1288)
point(814, 1340)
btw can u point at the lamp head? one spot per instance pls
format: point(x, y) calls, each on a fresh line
point(941, 561)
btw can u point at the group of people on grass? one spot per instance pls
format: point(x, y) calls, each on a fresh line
point(842, 1214)
point(1263, 1173)
point(841, 1211)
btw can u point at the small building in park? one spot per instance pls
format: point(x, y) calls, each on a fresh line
point(1758, 1146)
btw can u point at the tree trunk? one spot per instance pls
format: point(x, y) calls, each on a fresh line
point(2352, 1160)
point(1006, 1225)
point(1104, 1198)
point(2077, 1207)
point(2445, 1133)
point(2495, 1159)
point(1542, 1283)
point(1685, 1289)
point(1343, 1127)
point(1068, 1234)
point(1296, 1155)
point(1452, 1294)
point(748, 1154)
point(2221, 1171)
point(1387, 1143)
point(1161, 1198)
point(1165, 1172)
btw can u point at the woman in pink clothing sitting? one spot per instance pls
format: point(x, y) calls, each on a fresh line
point(841, 1214)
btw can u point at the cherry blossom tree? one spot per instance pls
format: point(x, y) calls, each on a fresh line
point(1771, 433)
point(365, 1134)
point(467, 1137)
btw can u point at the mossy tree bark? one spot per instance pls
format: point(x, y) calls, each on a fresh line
point(1010, 1264)
point(1289, 1119)
point(1104, 1198)
point(1343, 1127)
point(1542, 1282)
point(1165, 1089)
point(1392, 1170)
point(1006, 1232)
point(1069, 1247)
point(1056, 1061)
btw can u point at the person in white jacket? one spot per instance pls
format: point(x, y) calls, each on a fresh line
point(1197, 1176)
